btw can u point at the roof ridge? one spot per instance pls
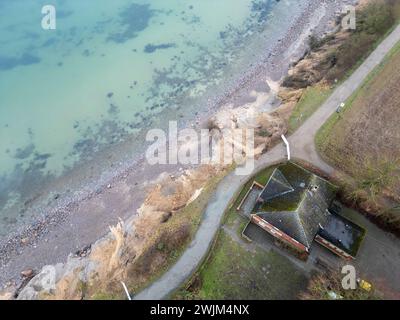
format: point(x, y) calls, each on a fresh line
point(270, 177)
point(303, 198)
point(296, 216)
point(276, 212)
point(279, 182)
point(302, 228)
point(285, 182)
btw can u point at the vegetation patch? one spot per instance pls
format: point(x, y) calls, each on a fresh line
point(234, 271)
point(312, 98)
point(328, 286)
point(374, 21)
point(166, 244)
point(171, 239)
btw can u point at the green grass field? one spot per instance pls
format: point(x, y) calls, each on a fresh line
point(235, 272)
point(311, 100)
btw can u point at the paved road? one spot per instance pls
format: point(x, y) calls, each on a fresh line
point(302, 147)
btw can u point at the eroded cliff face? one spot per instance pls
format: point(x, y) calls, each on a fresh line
point(135, 250)
point(129, 252)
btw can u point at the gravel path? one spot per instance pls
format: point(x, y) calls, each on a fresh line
point(303, 147)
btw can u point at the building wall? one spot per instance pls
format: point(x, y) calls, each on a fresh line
point(275, 232)
point(333, 248)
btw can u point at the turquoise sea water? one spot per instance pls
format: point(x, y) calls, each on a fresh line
point(108, 68)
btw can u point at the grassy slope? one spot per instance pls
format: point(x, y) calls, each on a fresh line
point(350, 56)
point(310, 101)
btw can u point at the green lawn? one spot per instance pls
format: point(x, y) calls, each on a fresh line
point(236, 272)
point(311, 100)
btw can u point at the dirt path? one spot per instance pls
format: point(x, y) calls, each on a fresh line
point(302, 147)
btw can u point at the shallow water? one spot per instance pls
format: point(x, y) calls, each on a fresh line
point(108, 68)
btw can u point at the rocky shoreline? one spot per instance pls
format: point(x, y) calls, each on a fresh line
point(43, 234)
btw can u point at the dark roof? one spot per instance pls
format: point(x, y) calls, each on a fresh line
point(343, 233)
point(297, 203)
point(277, 186)
point(288, 222)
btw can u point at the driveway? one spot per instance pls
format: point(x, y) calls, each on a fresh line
point(302, 147)
point(377, 261)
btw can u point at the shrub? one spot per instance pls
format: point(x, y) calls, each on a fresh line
point(376, 19)
point(315, 42)
point(297, 81)
point(373, 22)
point(321, 285)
